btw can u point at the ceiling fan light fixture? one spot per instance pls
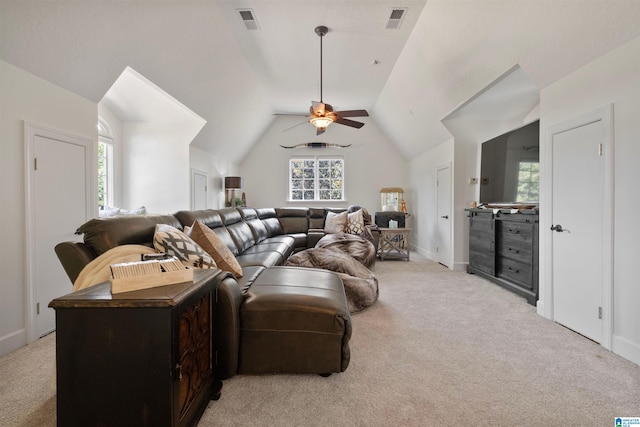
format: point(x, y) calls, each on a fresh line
point(321, 122)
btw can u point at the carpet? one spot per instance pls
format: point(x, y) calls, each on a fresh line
point(438, 348)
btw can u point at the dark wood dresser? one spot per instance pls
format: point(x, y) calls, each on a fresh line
point(503, 248)
point(141, 358)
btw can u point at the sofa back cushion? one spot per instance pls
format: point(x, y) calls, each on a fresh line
point(316, 218)
point(238, 229)
point(209, 217)
point(102, 234)
point(259, 230)
point(269, 218)
point(248, 214)
point(293, 220)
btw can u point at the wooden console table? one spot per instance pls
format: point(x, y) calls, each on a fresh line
point(141, 358)
point(395, 242)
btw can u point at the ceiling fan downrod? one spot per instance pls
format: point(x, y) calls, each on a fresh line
point(321, 31)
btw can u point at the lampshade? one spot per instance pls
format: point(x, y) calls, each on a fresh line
point(231, 182)
point(321, 122)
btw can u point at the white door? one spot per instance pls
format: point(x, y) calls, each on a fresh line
point(59, 175)
point(443, 233)
point(578, 243)
point(198, 190)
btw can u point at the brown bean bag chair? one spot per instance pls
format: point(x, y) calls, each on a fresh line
point(360, 284)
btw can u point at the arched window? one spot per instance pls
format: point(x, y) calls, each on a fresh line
point(105, 166)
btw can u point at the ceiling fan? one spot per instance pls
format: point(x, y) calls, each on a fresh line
point(322, 114)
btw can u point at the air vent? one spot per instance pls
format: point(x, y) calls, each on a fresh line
point(395, 18)
point(249, 19)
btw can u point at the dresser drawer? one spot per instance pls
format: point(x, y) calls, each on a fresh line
point(515, 271)
point(515, 249)
point(516, 230)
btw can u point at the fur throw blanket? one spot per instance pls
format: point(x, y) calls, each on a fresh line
point(98, 271)
point(360, 284)
point(355, 246)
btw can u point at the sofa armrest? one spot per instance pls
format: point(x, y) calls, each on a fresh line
point(74, 256)
point(227, 326)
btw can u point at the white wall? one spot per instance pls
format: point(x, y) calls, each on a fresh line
point(371, 163)
point(26, 98)
point(423, 178)
point(613, 78)
point(155, 167)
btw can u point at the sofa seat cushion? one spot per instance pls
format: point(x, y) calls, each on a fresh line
point(283, 238)
point(299, 241)
point(266, 259)
point(295, 320)
point(283, 248)
point(249, 275)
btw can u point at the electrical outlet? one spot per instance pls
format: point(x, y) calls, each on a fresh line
point(473, 180)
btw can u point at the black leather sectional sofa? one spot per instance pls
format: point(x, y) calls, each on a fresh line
point(273, 318)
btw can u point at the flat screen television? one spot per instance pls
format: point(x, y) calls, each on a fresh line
point(510, 167)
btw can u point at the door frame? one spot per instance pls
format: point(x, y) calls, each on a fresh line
point(446, 166)
point(605, 115)
point(31, 131)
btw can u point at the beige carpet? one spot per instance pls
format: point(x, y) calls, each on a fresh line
point(438, 348)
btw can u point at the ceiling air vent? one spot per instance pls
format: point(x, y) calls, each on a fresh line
point(249, 19)
point(395, 18)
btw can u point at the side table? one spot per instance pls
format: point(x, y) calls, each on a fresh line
point(395, 242)
point(140, 358)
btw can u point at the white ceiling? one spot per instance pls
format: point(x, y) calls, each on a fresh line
point(199, 52)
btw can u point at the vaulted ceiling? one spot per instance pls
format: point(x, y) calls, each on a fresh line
point(201, 53)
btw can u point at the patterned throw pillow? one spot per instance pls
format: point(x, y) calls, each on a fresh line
point(355, 223)
point(335, 222)
point(215, 247)
point(174, 242)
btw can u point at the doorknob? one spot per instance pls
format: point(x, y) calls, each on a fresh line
point(445, 216)
point(559, 228)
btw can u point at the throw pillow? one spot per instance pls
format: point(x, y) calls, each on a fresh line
point(174, 242)
point(355, 223)
point(335, 222)
point(215, 247)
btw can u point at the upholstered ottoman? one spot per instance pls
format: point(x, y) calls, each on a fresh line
point(295, 320)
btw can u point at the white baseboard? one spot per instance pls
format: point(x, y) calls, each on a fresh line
point(460, 266)
point(13, 341)
point(625, 348)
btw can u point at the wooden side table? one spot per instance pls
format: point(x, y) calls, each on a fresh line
point(140, 358)
point(395, 242)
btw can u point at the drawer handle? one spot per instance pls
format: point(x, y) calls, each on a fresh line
point(514, 251)
point(514, 231)
point(515, 270)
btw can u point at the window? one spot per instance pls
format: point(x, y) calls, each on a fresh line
point(528, 181)
point(316, 179)
point(105, 167)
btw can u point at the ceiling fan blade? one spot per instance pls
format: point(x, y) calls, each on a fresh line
point(347, 122)
point(353, 113)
